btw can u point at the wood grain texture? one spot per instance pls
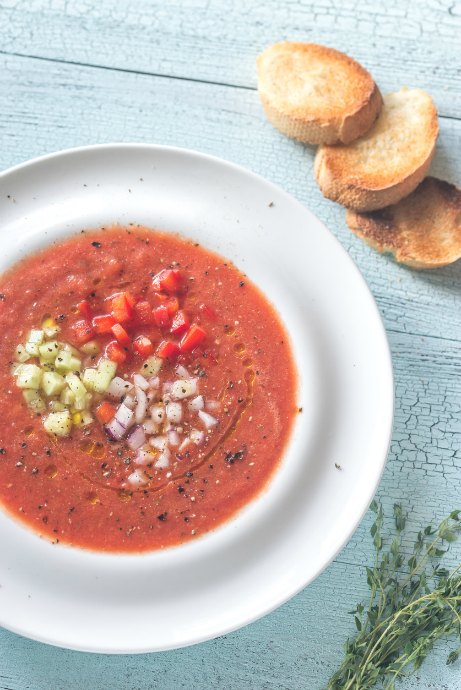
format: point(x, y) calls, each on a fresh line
point(400, 42)
point(47, 106)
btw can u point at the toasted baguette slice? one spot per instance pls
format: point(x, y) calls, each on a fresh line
point(389, 162)
point(316, 94)
point(421, 231)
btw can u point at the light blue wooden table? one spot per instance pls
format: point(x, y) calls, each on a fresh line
point(77, 72)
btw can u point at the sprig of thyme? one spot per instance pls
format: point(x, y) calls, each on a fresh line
point(407, 612)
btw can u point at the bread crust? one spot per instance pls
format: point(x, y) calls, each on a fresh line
point(389, 162)
point(316, 94)
point(422, 231)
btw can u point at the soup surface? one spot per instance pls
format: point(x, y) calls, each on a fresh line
point(149, 390)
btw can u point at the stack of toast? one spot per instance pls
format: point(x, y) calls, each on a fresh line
point(374, 151)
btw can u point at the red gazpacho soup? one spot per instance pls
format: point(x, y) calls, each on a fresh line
point(149, 390)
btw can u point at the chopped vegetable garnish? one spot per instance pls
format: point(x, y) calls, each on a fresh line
point(143, 346)
point(115, 352)
point(103, 324)
point(192, 339)
point(168, 280)
point(180, 323)
point(168, 349)
point(83, 331)
point(105, 412)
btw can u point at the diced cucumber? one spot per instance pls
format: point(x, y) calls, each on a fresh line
point(67, 397)
point(91, 348)
point(57, 406)
point(52, 383)
point(46, 366)
point(32, 349)
point(34, 400)
point(33, 341)
point(75, 364)
point(36, 336)
point(151, 366)
point(89, 377)
point(58, 423)
point(82, 402)
point(29, 376)
point(86, 418)
point(62, 361)
point(48, 351)
point(70, 348)
point(16, 368)
point(21, 354)
point(106, 366)
point(101, 381)
point(104, 374)
point(75, 385)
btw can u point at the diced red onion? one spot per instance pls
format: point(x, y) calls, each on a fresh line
point(208, 420)
point(119, 387)
point(129, 401)
point(173, 437)
point(163, 460)
point(196, 404)
point(212, 405)
point(182, 372)
point(183, 388)
point(157, 412)
point(141, 405)
point(151, 396)
point(150, 427)
point(136, 437)
point(114, 430)
point(124, 416)
point(174, 412)
point(137, 478)
point(158, 442)
point(167, 386)
point(143, 457)
point(185, 444)
point(140, 382)
point(154, 382)
point(196, 436)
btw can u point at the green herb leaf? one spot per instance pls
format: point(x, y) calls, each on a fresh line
point(407, 612)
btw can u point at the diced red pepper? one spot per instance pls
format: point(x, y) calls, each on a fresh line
point(181, 322)
point(122, 306)
point(192, 338)
point(161, 316)
point(105, 412)
point(121, 334)
point(161, 298)
point(172, 305)
point(85, 310)
point(115, 352)
point(168, 280)
point(143, 312)
point(103, 324)
point(208, 311)
point(168, 349)
point(83, 331)
point(143, 346)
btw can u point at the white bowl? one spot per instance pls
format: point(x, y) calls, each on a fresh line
point(281, 541)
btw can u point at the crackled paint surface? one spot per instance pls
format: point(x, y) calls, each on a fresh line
point(182, 73)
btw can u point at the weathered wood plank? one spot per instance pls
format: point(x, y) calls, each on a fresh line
point(48, 106)
point(401, 42)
